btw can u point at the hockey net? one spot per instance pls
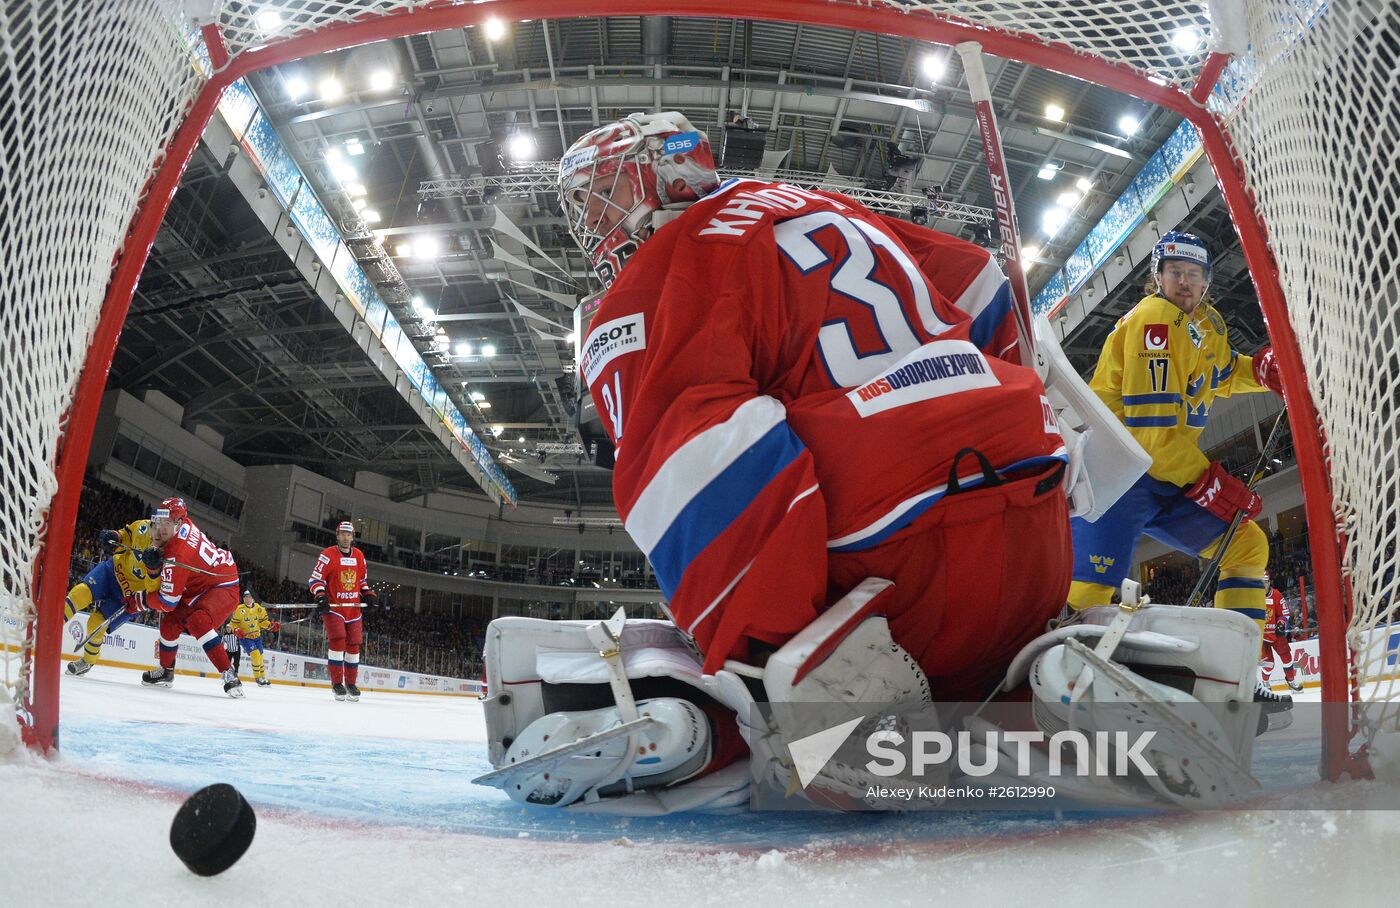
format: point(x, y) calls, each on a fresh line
point(1301, 128)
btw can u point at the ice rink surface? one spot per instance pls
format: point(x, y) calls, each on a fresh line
point(370, 803)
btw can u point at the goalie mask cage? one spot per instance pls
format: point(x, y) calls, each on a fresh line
point(1295, 101)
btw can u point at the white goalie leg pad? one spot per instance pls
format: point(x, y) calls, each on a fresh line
point(845, 660)
point(670, 748)
point(846, 655)
point(1187, 674)
point(1105, 459)
point(537, 669)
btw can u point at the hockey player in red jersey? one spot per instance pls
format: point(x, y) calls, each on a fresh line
point(339, 582)
point(1276, 639)
point(198, 591)
point(798, 404)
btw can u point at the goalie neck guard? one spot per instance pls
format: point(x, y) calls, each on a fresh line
point(614, 179)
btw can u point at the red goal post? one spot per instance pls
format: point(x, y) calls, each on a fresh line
point(108, 106)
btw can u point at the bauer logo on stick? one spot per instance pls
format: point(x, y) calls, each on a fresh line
point(1154, 337)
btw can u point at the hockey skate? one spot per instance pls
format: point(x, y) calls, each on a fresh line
point(79, 667)
point(352, 692)
point(1275, 710)
point(158, 677)
point(340, 691)
point(1295, 685)
point(232, 686)
point(263, 682)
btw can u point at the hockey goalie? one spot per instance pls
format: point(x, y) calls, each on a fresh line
point(848, 485)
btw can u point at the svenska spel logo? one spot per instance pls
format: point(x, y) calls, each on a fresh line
point(1154, 337)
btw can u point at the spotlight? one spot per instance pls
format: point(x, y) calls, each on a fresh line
point(919, 215)
point(494, 29)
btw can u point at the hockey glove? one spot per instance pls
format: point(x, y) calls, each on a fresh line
point(321, 606)
point(154, 559)
point(135, 603)
point(109, 540)
point(369, 598)
point(1266, 371)
point(274, 627)
point(1222, 494)
point(238, 632)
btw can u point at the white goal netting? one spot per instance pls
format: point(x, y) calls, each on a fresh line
point(91, 94)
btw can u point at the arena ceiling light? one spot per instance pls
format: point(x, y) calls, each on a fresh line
point(356, 189)
point(381, 80)
point(1054, 112)
point(1053, 220)
point(522, 147)
point(418, 303)
point(934, 66)
point(370, 216)
point(269, 20)
point(494, 29)
point(463, 349)
point(1069, 198)
point(404, 249)
point(570, 338)
point(427, 247)
point(1028, 253)
point(296, 87)
point(344, 172)
point(1188, 39)
point(330, 89)
point(333, 155)
point(497, 430)
point(358, 204)
point(1128, 125)
point(1084, 184)
point(355, 147)
point(488, 350)
point(477, 396)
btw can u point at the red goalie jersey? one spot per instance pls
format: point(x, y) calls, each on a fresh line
point(796, 384)
point(342, 578)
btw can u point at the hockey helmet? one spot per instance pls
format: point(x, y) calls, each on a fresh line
point(172, 510)
point(345, 526)
point(614, 179)
point(1176, 245)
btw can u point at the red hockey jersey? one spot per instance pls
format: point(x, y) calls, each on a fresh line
point(193, 566)
point(342, 577)
point(786, 374)
point(1275, 618)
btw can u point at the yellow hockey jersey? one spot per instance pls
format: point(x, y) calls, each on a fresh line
point(1160, 371)
point(251, 621)
point(133, 576)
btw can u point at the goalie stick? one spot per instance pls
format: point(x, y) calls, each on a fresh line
point(981, 92)
point(1208, 573)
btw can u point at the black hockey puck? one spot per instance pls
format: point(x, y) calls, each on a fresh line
point(213, 829)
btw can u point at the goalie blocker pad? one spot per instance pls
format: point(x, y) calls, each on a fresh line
point(537, 668)
point(1105, 460)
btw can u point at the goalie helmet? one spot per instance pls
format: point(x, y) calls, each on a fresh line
point(1176, 245)
point(614, 180)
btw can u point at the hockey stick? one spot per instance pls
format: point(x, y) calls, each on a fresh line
point(971, 54)
point(101, 628)
point(1208, 574)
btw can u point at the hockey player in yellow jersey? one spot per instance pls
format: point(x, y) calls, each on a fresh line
point(116, 588)
point(1161, 368)
point(248, 622)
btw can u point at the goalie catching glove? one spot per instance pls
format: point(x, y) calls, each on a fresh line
point(1222, 494)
